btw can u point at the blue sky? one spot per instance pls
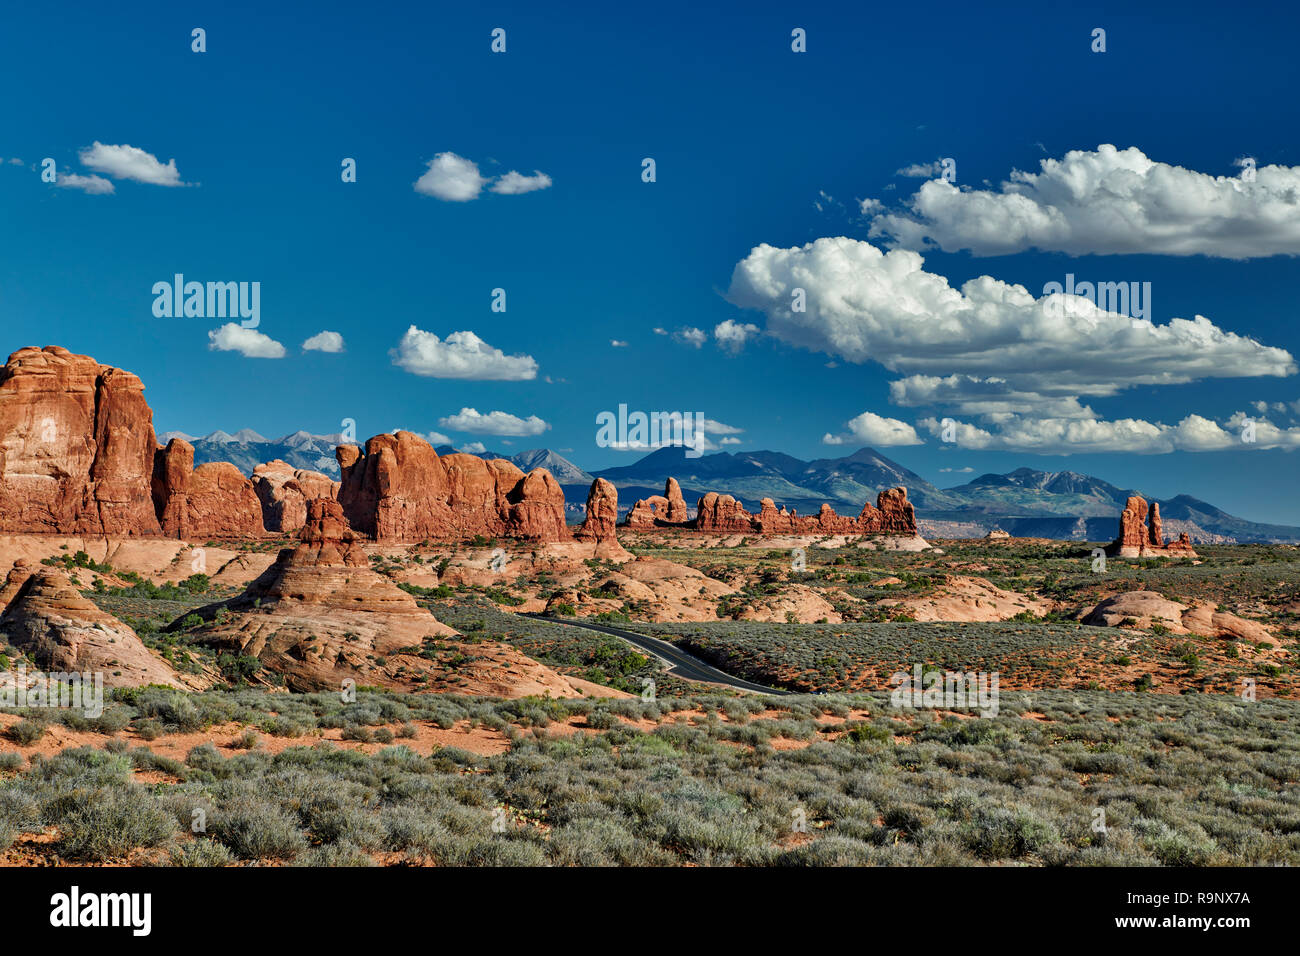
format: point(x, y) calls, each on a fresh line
point(753, 143)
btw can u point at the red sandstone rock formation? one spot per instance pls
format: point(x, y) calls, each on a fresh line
point(76, 447)
point(677, 512)
point(646, 512)
point(320, 616)
point(213, 500)
point(284, 492)
point(398, 489)
point(659, 510)
point(1137, 540)
point(715, 512)
point(602, 513)
point(45, 615)
point(892, 515)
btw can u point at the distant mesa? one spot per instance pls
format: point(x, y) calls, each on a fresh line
point(893, 514)
point(1140, 539)
point(398, 489)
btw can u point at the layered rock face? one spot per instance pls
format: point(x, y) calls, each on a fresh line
point(44, 613)
point(893, 514)
point(284, 492)
point(320, 616)
point(398, 489)
point(76, 447)
point(602, 513)
point(1138, 539)
point(212, 500)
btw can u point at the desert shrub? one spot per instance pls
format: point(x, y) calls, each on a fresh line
point(145, 759)
point(602, 720)
point(281, 726)
point(27, 732)
point(149, 729)
point(335, 854)
point(999, 834)
point(11, 760)
point(200, 852)
point(254, 828)
point(113, 824)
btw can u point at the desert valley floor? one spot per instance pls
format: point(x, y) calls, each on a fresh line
point(483, 736)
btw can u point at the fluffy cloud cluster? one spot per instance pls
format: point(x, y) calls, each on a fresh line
point(733, 335)
point(873, 429)
point(493, 423)
point(921, 170)
point(691, 336)
point(864, 304)
point(1067, 436)
point(991, 398)
point(456, 179)
point(462, 355)
point(119, 162)
point(324, 342)
point(94, 185)
point(130, 162)
point(1107, 201)
point(515, 184)
point(249, 343)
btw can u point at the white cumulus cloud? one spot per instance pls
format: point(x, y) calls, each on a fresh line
point(863, 304)
point(514, 184)
point(732, 335)
point(94, 185)
point(691, 336)
point(493, 423)
point(875, 429)
point(462, 355)
point(324, 342)
point(1061, 436)
point(451, 178)
point(920, 170)
point(130, 162)
point(249, 343)
point(1107, 201)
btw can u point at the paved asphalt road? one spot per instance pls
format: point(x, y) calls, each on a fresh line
point(679, 662)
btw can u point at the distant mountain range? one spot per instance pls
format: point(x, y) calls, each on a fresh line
point(246, 449)
point(1024, 502)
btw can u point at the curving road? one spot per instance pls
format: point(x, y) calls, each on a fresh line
point(679, 663)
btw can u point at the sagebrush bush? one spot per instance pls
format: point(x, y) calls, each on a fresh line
point(114, 823)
